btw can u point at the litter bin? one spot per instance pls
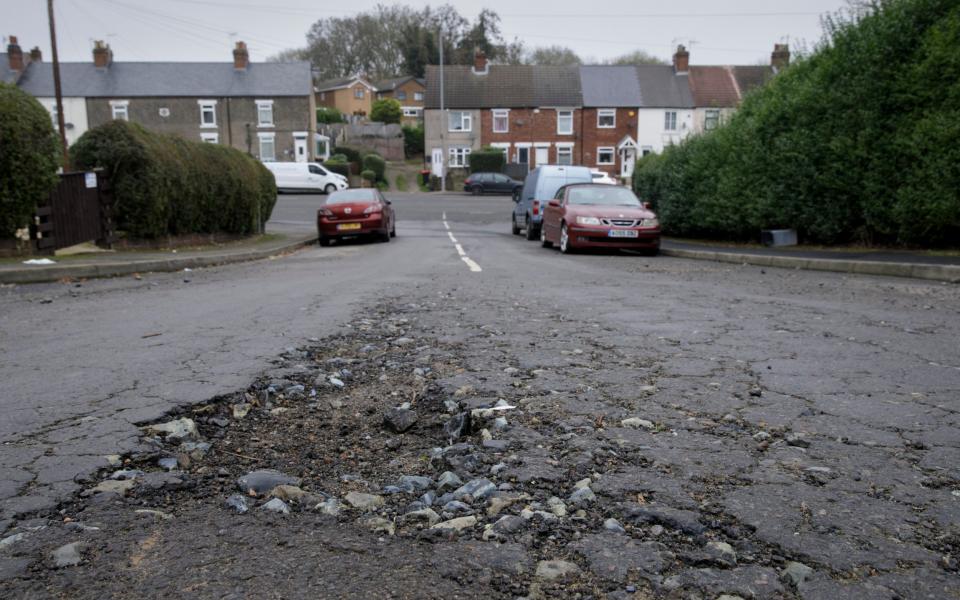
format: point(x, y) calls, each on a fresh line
point(425, 176)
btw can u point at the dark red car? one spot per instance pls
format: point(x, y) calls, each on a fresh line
point(592, 215)
point(354, 213)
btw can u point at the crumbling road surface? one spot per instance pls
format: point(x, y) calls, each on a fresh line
point(595, 426)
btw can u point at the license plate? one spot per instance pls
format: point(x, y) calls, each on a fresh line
point(348, 226)
point(622, 233)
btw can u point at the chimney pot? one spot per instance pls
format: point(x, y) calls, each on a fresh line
point(241, 58)
point(14, 55)
point(102, 54)
point(681, 60)
point(781, 56)
point(479, 62)
point(36, 55)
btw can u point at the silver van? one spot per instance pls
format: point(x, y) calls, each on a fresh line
point(539, 188)
point(301, 177)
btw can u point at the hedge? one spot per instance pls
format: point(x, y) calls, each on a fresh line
point(351, 154)
point(375, 163)
point(166, 185)
point(487, 159)
point(29, 158)
point(337, 166)
point(856, 143)
point(413, 140)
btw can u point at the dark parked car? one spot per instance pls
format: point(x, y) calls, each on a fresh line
point(591, 215)
point(354, 213)
point(492, 183)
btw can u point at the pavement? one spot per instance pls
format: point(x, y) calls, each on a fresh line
point(679, 428)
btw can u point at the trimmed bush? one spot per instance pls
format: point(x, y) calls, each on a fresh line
point(413, 143)
point(386, 110)
point(29, 158)
point(351, 154)
point(166, 185)
point(338, 158)
point(855, 143)
point(487, 159)
point(369, 176)
point(375, 163)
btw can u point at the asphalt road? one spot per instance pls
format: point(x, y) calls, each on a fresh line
point(803, 415)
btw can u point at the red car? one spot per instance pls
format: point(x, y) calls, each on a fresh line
point(354, 213)
point(589, 215)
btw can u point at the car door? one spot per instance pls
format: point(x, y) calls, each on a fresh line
point(316, 177)
point(552, 215)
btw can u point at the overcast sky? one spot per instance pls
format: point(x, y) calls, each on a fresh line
point(729, 32)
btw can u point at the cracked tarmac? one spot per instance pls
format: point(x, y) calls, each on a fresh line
point(795, 416)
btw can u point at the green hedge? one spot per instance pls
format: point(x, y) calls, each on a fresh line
point(29, 158)
point(375, 163)
point(486, 160)
point(336, 166)
point(351, 154)
point(166, 185)
point(413, 140)
point(856, 143)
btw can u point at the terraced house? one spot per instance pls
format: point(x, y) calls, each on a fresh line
point(265, 109)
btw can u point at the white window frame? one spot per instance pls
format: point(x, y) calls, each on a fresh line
point(418, 96)
point(613, 155)
point(208, 105)
point(411, 111)
point(459, 157)
point(119, 110)
point(670, 120)
point(359, 93)
point(560, 119)
point(466, 121)
point(564, 149)
point(706, 119)
point(501, 113)
point(606, 112)
point(262, 105)
point(272, 139)
point(210, 138)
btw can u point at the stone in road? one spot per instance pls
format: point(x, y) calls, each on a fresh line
point(865, 371)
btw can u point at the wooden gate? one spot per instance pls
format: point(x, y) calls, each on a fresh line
point(78, 210)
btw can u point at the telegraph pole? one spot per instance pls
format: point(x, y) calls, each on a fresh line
point(444, 120)
point(56, 87)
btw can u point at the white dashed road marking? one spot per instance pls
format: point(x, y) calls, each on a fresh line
point(474, 267)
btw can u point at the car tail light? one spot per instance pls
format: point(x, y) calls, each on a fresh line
point(468, 180)
point(536, 207)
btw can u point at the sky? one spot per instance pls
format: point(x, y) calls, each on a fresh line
point(728, 32)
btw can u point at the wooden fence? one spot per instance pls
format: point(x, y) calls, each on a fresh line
point(78, 210)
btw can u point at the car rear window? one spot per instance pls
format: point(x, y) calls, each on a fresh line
point(349, 196)
point(605, 195)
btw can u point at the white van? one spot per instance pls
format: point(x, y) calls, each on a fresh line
point(538, 189)
point(301, 176)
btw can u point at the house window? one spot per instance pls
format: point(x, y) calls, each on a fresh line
point(411, 111)
point(605, 156)
point(564, 155)
point(208, 113)
point(460, 121)
point(418, 96)
point(670, 120)
point(401, 95)
point(268, 150)
point(119, 110)
point(358, 93)
point(606, 118)
point(647, 151)
point(712, 120)
point(264, 113)
point(501, 121)
point(460, 157)
point(210, 138)
point(564, 122)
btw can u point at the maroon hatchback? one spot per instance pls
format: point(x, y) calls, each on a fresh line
point(588, 215)
point(355, 213)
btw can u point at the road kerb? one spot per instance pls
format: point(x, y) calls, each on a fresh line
point(948, 273)
point(121, 267)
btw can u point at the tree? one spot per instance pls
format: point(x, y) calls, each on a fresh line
point(387, 110)
point(558, 56)
point(637, 57)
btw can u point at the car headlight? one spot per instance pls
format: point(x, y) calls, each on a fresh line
point(650, 222)
point(588, 221)
point(372, 210)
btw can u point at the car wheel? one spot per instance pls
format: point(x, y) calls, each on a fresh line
point(532, 232)
point(393, 230)
point(330, 189)
point(543, 238)
point(385, 236)
point(323, 241)
point(514, 228)
point(565, 240)
point(476, 190)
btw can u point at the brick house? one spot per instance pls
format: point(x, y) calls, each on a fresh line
point(266, 109)
point(532, 113)
point(611, 97)
point(352, 96)
point(409, 91)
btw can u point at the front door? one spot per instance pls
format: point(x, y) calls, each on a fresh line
point(300, 148)
point(628, 159)
point(436, 162)
point(543, 156)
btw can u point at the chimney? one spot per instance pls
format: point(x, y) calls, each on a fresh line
point(15, 55)
point(681, 60)
point(102, 55)
point(241, 58)
point(479, 62)
point(35, 55)
point(780, 58)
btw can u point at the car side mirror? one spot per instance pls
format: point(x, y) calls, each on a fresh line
point(554, 203)
point(388, 202)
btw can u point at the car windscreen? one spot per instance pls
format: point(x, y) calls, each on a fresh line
point(606, 195)
point(351, 196)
